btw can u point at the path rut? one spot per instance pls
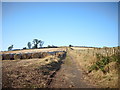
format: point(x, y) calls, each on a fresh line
point(69, 76)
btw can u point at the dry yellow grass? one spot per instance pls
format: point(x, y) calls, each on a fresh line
point(86, 58)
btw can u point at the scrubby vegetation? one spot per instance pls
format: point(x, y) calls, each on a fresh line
point(102, 61)
point(101, 65)
point(10, 48)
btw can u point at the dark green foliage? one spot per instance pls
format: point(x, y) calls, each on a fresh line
point(10, 48)
point(29, 45)
point(36, 42)
point(41, 43)
point(102, 61)
point(24, 48)
point(70, 46)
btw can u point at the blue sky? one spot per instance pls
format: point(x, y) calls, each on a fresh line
point(60, 24)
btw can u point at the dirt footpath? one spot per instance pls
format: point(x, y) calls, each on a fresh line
point(70, 76)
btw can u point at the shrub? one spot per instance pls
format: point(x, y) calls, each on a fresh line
point(24, 48)
point(10, 48)
point(100, 64)
point(70, 46)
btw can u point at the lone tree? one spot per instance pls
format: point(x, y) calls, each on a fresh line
point(36, 42)
point(70, 45)
point(10, 48)
point(29, 45)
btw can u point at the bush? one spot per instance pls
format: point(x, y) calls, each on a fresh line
point(100, 64)
point(10, 48)
point(103, 61)
point(24, 48)
point(70, 46)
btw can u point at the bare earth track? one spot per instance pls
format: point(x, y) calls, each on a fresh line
point(70, 76)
